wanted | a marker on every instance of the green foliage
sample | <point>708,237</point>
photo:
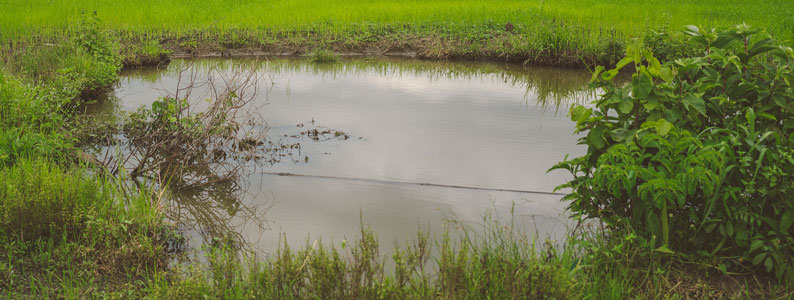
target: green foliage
<point>145,53</point>
<point>666,45</point>
<point>86,76</point>
<point>64,232</point>
<point>496,261</point>
<point>90,37</point>
<point>39,199</point>
<point>323,56</point>
<point>80,69</point>
<point>695,155</point>
<point>65,229</point>
<point>16,144</point>
<point>168,113</point>
<point>23,105</point>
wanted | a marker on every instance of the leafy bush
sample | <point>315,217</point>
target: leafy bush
<point>695,155</point>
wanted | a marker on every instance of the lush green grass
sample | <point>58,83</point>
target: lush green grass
<point>564,33</point>
<point>489,260</point>
<point>627,16</point>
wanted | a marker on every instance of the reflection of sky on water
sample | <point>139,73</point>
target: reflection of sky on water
<point>417,124</point>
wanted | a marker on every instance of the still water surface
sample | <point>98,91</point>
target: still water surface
<point>428,141</point>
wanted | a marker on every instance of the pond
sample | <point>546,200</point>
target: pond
<point>419,143</point>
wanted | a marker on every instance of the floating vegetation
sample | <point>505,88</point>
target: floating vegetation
<point>321,134</point>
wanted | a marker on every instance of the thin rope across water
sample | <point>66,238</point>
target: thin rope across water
<point>413,183</point>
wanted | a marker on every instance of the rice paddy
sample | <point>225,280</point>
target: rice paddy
<point>625,16</point>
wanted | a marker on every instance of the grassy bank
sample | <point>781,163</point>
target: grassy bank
<point>68,229</point>
<point>562,33</point>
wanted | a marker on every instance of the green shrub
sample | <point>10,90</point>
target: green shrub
<point>695,155</point>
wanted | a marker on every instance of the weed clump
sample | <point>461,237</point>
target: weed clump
<point>323,56</point>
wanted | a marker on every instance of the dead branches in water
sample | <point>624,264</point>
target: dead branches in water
<point>202,133</point>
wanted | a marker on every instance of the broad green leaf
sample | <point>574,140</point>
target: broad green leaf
<point>787,220</point>
<point>759,258</point>
<point>651,105</point>
<point>768,264</point>
<point>654,67</point>
<point>626,106</point>
<point>767,116</point>
<point>663,127</point>
<point>642,85</point>
<point>761,47</point>
<point>696,102</point>
<point>666,74</point>
<point>741,235</point>
<point>621,134</point>
<point>596,137</point>
<point>616,97</point>
<point>579,114</point>
<point>664,249</point>
<point>750,115</point>
<point>692,30</point>
<point>634,49</point>
<point>725,41</point>
<point>780,100</point>
<point>623,62</point>
<point>755,245</point>
<point>608,75</point>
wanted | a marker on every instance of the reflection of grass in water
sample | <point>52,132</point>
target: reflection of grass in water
<point>147,74</point>
<point>547,86</point>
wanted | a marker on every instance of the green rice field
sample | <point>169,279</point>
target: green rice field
<point>626,16</point>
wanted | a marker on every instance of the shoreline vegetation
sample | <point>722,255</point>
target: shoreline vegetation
<point>69,229</point>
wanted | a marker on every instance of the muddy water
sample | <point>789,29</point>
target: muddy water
<point>427,141</point>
